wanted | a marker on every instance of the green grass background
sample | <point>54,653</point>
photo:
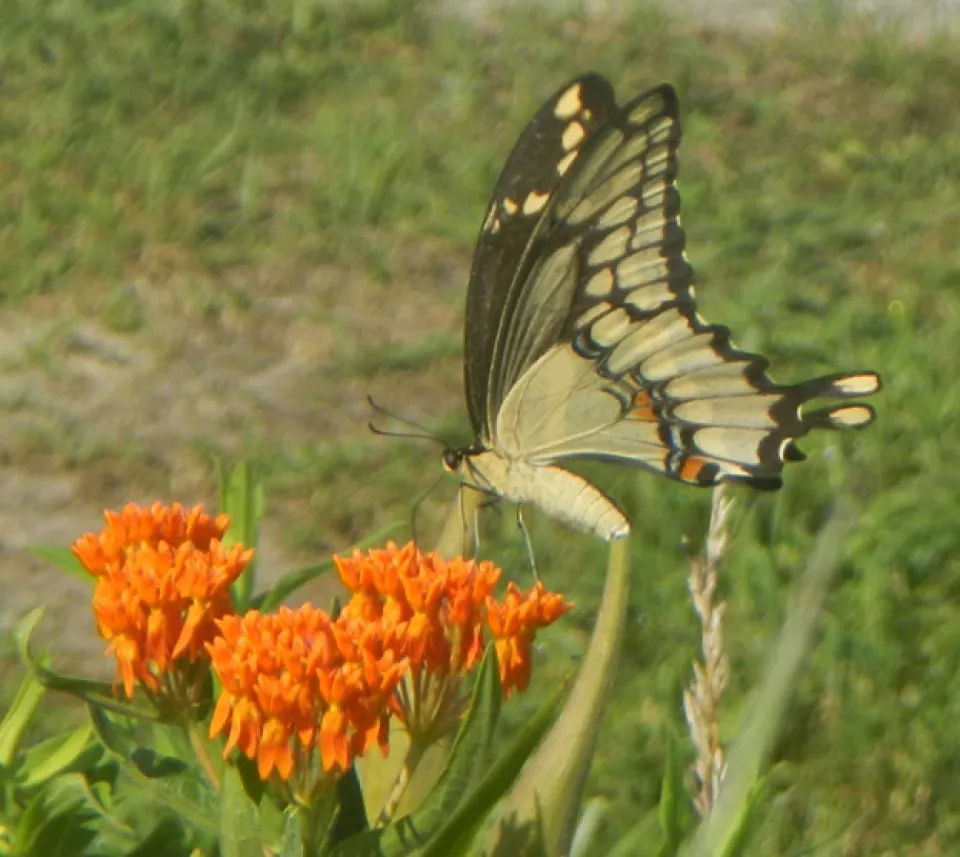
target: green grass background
<point>821,190</point>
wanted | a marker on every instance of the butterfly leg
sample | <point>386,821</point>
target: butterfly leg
<point>527,543</point>
<point>415,511</point>
<point>470,515</point>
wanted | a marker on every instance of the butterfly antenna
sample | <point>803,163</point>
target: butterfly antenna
<point>422,433</point>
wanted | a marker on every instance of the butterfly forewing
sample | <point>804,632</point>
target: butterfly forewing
<point>622,181</point>
<point>545,153</point>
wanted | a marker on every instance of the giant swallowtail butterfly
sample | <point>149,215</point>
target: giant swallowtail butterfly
<point>583,339</point>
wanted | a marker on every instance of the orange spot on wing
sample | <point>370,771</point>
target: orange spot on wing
<point>690,471</point>
<point>643,407</point>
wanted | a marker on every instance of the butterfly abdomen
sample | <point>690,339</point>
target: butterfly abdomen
<point>557,492</point>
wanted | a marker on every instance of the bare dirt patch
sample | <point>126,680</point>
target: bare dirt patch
<point>97,418</point>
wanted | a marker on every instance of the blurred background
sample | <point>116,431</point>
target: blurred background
<point>223,223</point>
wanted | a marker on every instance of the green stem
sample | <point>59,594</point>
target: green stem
<point>201,749</point>
<point>404,775</point>
<point>549,790</point>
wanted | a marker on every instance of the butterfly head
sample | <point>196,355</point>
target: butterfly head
<point>453,459</point>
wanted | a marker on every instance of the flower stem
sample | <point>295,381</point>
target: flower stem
<point>201,749</point>
<point>404,775</point>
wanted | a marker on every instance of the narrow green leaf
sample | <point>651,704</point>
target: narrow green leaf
<point>472,749</point>
<point>287,585</point>
<point>242,498</point>
<point>640,840</point>
<point>57,822</point>
<point>21,636</point>
<point>167,836</point>
<point>594,813</point>
<point>24,630</point>
<point>56,755</point>
<point>351,816</point>
<point>292,845</point>
<point>673,800</point>
<point>749,821</point>
<point>64,559</point>
<point>18,718</point>
<point>273,817</point>
<point>551,786</point>
<point>722,828</point>
<point>466,819</point>
<point>165,780</point>
<point>239,818</point>
<point>467,761</point>
<point>293,580</point>
<point>96,692</point>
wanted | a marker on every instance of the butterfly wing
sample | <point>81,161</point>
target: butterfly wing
<point>599,351</point>
<point>499,301</point>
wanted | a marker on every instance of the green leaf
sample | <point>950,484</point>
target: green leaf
<point>674,800</point>
<point>167,837</point>
<point>242,498</point>
<point>595,813</point>
<point>164,780</point>
<point>549,791</point>
<point>239,818</point>
<point>468,760</point>
<point>58,821</point>
<point>57,755</point>
<point>351,816</point>
<point>287,585</point>
<point>472,748</point>
<point>95,692</point>
<point>293,580</point>
<point>22,633</point>
<point>18,718</point>
<point>749,820</point>
<point>292,840</point>
<point>463,823</point>
<point>640,838</point>
<point>65,560</point>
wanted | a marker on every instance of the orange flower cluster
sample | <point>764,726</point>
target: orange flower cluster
<point>439,608</point>
<point>298,681</point>
<point>295,681</point>
<point>163,578</point>
<point>302,693</point>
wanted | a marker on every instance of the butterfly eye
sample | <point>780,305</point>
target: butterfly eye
<point>452,459</point>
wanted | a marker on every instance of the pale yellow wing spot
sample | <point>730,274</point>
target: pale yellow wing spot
<point>573,134</point>
<point>569,104</point>
<point>563,167</point>
<point>534,202</point>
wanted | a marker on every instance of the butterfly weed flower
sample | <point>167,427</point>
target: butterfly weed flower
<point>514,625</point>
<point>439,613</point>
<point>302,694</point>
<point>163,578</point>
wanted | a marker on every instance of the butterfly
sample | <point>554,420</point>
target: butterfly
<point>582,337</point>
